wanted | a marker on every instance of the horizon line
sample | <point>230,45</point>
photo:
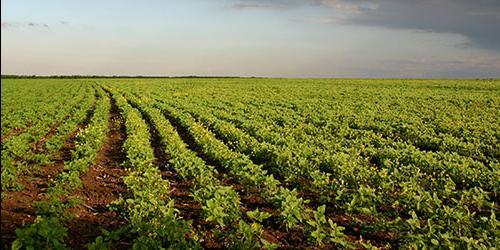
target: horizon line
<point>20,76</point>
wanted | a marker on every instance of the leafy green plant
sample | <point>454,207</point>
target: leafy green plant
<point>44,233</point>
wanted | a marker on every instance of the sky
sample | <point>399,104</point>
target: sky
<point>273,38</point>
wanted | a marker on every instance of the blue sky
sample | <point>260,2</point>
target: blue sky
<point>276,38</point>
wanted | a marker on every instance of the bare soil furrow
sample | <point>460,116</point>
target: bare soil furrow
<point>102,184</point>
<point>18,208</point>
<point>251,198</point>
<point>180,189</point>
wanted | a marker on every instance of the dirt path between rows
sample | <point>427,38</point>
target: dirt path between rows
<point>18,208</point>
<point>250,198</point>
<point>180,189</point>
<point>102,184</point>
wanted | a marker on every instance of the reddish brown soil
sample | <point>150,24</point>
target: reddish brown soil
<point>102,184</point>
<point>18,206</point>
<point>189,209</point>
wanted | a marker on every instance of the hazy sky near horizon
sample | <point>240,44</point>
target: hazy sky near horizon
<point>275,38</point>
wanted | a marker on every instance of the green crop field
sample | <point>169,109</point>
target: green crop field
<point>249,163</point>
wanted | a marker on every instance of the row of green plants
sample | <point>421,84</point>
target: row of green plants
<point>460,169</point>
<point>153,222</point>
<point>466,172</point>
<point>426,118</point>
<point>53,144</point>
<point>19,151</point>
<point>410,116</point>
<point>354,187</point>
<point>362,171</point>
<point>293,209</point>
<point>463,171</point>
<point>306,159</point>
<point>415,160</point>
<point>221,205</point>
<point>21,101</point>
<point>49,231</point>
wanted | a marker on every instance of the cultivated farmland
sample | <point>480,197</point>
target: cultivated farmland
<point>248,163</point>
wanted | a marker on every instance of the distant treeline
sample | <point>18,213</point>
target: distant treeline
<point>194,76</point>
<point>97,76</point>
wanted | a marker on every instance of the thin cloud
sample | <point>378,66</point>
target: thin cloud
<point>6,25</point>
<point>245,6</point>
<point>31,24</point>
<point>262,4</point>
